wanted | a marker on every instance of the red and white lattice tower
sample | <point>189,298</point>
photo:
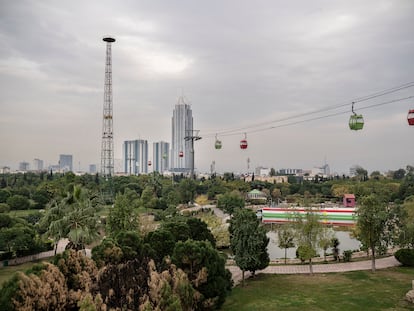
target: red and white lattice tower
<point>107,149</point>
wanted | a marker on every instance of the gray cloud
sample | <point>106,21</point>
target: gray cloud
<point>239,62</point>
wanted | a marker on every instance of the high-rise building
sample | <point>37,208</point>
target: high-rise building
<point>135,155</point>
<point>160,156</point>
<point>37,165</point>
<point>182,126</point>
<point>66,162</point>
<point>24,166</point>
<point>92,168</point>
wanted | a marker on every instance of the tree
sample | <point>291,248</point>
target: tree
<point>205,269</point>
<point>248,242</point>
<point>308,231</point>
<point>325,239</point>
<point>187,190</point>
<point>123,216</point>
<point>162,243</point>
<point>74,217</point>
<point>371,225</point>
<point>199,231</point>
<point>18,202</point>
<point>229,202</point>
<point>286,237</point>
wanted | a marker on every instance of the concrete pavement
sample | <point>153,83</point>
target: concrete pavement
<point>381,263</point>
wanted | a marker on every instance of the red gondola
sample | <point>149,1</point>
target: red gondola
<point>410,117</point>
<point>243,142</point>
<point>149,163</point>
<point>181,154</point>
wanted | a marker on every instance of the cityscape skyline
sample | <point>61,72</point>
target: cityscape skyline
<point>263,68</point>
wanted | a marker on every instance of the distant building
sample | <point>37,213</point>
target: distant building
<point>66,163</point>
<point>290,171</point>
<point>5,170</point>
<point>24,166</point>
<point>161,157</point>
<point>182,126</point>
<point>37,165</point>
<point>135,156</point>
<point>92,169</point>
<point>262,171</point>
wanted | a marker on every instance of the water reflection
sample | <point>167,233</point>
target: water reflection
<point>345,240</point>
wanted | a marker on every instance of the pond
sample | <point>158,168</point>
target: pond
<point>346,242</point>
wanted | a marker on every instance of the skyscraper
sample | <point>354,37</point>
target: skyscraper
<point>37,165</point>
<point>66,162</point>
<point>160,156</point>
<point>135,155</point>
<point>182,126</point>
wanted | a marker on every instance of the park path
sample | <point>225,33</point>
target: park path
<point>381,263</point>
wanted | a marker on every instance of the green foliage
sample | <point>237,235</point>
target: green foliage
<point>18,202</point>
<point>131,245</point>
<point>248,241</point>
<point>205,269</point>
<point>199,231</point>
<point>162,243</point>
<point>347,255</point>
<point>286,237</point>
<point>405,256</point>
<point>230,202</point>
<point>308,230</point>
<point>372,224</point>
<point>107,252</point>
<point>123,216</point>
<point>74,217</point>
<point>4,208</point>
<point>7,292</point>
<point>4,195</point>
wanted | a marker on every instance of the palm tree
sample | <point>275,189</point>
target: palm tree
<point>74,217</point>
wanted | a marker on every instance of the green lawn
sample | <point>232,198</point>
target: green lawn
<point>7,272</point>
<point>360,290</point>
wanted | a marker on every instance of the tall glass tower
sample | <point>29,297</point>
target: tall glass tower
<point>182,126</point>
<point>161,157</point>
<point>135,154</point>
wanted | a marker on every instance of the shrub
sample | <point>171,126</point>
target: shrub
<point>405,256</point>
<point>347,255</point>
<point>4,208</point>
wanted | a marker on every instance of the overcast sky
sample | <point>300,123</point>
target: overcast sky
<point>239,63</point>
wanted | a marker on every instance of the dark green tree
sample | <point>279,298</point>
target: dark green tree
<point>230,202</point>
<point>18,202</point>
<point>248,242</point>
<point>205,269</point>
<point>199,231</point>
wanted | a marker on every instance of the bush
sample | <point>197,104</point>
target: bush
<point>4,208</point>
<point>405,256</point>
<point>347,255</point>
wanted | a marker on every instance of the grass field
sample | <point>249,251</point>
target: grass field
<point>360,290</point>
<point>7,272</point>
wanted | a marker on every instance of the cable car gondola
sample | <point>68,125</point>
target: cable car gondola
<point>243,142</point>
<point>356,121</point>
<point>149,163</point>
<point>217,144</point>
<point>410,117</point>
<point>181,154</point>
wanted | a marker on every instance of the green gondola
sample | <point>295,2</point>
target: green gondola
<point>356,122</point>
<point>218,145</point>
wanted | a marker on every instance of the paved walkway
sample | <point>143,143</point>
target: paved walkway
<point>381,263</point>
